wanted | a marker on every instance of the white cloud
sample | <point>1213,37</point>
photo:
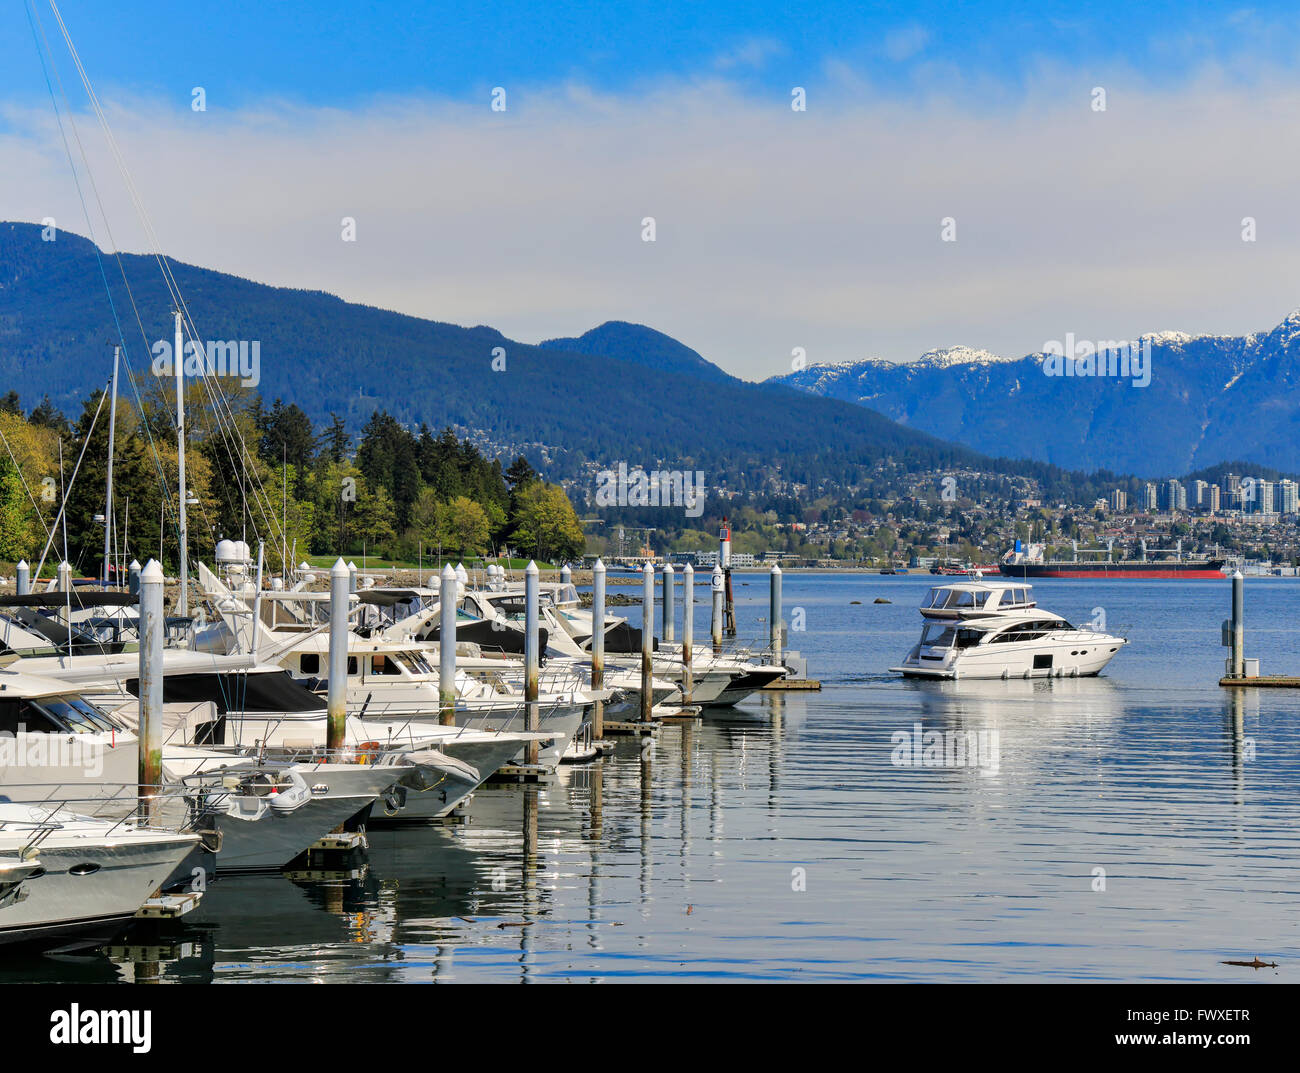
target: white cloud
<point>775,229</point>
<point>752,53</point>
<point>905,42</point>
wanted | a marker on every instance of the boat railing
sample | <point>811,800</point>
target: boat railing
<point>377,753</point>
<point>1101,631</point>
<point>174,806</point>
<point>469,715</point>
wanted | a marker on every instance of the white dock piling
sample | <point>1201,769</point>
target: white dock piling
<point>532,658</point>
<point>688,632</point>
<point>23,582</point>
<point>337,700</point>
<point>152,630</point>
<point>775,624</point>
<point>718,584</point>
<point>1238,625</point>
<point>448,595</point>
<point>647,641</point>
<point>670,603</point>
<point>598,647</point>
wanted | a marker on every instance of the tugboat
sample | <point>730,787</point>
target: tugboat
<point>996,630</point>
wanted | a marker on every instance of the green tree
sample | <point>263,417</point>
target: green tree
<point>463,525</point>
<point>373,521</point>
<point>335,441</point>
<point>544,523</point>
<point>18,529</point>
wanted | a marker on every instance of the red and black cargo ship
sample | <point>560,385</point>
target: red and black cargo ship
<point>1180,569</point>
<point>1031,564</point>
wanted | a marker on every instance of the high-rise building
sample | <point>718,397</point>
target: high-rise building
<point>1288,496</point>
<point>1199,498</point>
<point>1175,495</point>
<point>1232,491</point>
<point>1263,496</point>
<point>1119,500</point>
<point>1150,500</point>
<point>1215,499</point>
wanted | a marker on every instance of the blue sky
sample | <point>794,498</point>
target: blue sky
<point>778,231</point>
<point>332,53</point>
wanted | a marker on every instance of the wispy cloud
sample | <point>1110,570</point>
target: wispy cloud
<point>751,54</point>
<point>905,42</point>
<point>775,229</point>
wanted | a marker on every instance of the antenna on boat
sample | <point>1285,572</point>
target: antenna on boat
<point>178,357</point>
<point>108,495</point>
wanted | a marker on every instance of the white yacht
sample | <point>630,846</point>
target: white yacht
<point>994,630</point>
<point>65,876</point>
<point>717,680</point>
<point>396,680</point>
<point>263,811</point>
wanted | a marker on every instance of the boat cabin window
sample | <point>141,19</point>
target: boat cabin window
<point>939,635</point>
<point>309,663</point>
<point>956,599</point>
<point>381,663</point>
<point>18,715</point>
<point>1029,631</point>
<point>53,715</point>
<point>414,662</point>
<point>76,714</point>
<point>511,606</point>
<point>237,691</point>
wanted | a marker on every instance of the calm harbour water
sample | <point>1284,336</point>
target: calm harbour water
<point>779,842</point>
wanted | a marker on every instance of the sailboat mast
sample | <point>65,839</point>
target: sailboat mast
<point>108,495</point>
<point>184,605</point>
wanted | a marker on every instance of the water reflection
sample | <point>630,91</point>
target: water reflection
<point>674,857</point>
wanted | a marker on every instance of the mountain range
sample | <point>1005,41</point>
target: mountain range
<point>1209,399</point>
<point>625,392</point>
<point>621,392</point>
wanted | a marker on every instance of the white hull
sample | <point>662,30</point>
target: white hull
<point>1078,657</point>
<point>58,904</point>
<point>258,837</point>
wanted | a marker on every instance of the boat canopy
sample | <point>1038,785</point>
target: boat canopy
<point>976,598</point>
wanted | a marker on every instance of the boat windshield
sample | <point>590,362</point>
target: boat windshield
<point>414,662</point>
<point>956,598</point>
<point>939,635</point>
<point>75,714</point>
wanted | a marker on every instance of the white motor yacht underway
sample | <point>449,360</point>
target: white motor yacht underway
<point>996,630</point>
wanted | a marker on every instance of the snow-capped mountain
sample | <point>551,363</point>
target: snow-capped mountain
<point>1209,399</point>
